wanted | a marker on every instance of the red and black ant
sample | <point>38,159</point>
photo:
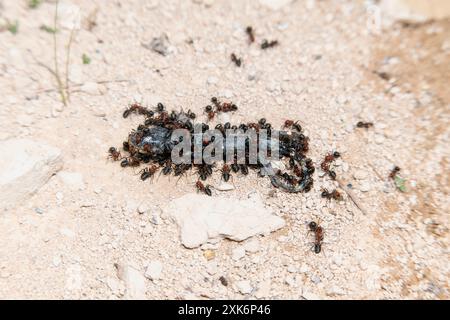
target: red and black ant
<point>135,107</point>
<point>268,44</point>
<point>292,124</point>
<point>394,172</point>
<point>190,114</point>
<point>318,235</point>
<point>210,112</point>
<point>148,172</point>
<point>237,61</point>
<point>130,162</point>
<point>329,158</point>
<point>205,189</point>
<point>251,34</point>
<point>336,195</point>
<point>226,107</point>
<point>114,154</point>
<point>226,172</point>
<point>366,125</point>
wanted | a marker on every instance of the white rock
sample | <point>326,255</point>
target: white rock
<point>143,208</point>
<point>365,186</point>
<point>73,180</point>
<point>310,296</point>
<point>202,218</point>
<point>263,290</point>
<point>252,246</point>
<point>244,286</point>
<point>291,281</point>
<point>25,166</point>
<point>154,270</point>
<point>275,4</point>
<point>90,88</point>
<point>415,11</point>
<point>212,268</point>
<point>238,253</point>
<point>134,281</point>
<point>212,80</point>
<point>225,186</point>
<point>360,174</point>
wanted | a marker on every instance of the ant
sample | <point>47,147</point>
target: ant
<point>251,34</point>
<point>205,189</point>
<point>268,44</point>
<point>148,172</point>
<point>210,112</point>
<point>227,107</point>
<point>366,125</point>
<point>292,124</point>
<point>114,154</point>
<point>136,107</point>
<point>167,168</point>
<point>235,59</point>
<point>336,195</point>
<point>394,172</point>
<point>130,161</point>
<point>190,114</point>
<point>160,107</point>
<point>226,172</point>
<point>318,235</point>
<point>325,165</point>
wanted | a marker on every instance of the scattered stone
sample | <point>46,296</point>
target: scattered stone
<point>263,290</point>
<point>143,208</point>
<point>274,4</point>
<point>212,80</point>
<point>212,268</point>
<point>291,281</point>
<point>310,296</point>
<point>98,190</point>
<point>209,254</point>
<point>155,219</point>
<point>25,166</point>
<point>39,210</point>
<point>134,281</point>
<point>360,174</point>
<point>154,270</point>
<point>238,253</point>
<point>56,261</point>
<point>225,186</point>
<point>415,11</point>
<point>315,279</point>
<point>90,88</point>
<point>365,186</point>
<point>252,246</point>
<point>73,180</point>
<point>115,286</point>
<point>159,45</point>
<point>291,268</point>
<point>202,218</point>
<point>244,286</point>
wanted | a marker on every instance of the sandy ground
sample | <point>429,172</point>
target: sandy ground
<point>322,73</point>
